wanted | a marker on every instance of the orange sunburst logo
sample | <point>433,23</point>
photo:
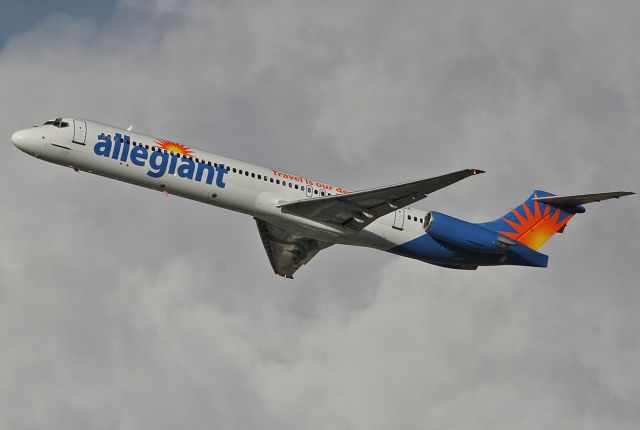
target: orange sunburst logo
<point>173,146</point>
<point>534,229</point>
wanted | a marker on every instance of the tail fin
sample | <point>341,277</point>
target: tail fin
<point>534,221</point>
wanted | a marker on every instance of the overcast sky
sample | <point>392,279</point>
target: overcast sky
<point>122,309</point>
<point>19,16</point>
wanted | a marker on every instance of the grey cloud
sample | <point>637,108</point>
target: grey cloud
<point>122,309</point>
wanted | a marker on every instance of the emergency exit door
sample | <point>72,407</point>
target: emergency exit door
<point>398,222</point>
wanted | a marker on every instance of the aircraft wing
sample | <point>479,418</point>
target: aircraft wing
<point>287,251</point>
<point>358,209</point>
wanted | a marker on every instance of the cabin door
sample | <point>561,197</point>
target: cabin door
<point>79,131</point>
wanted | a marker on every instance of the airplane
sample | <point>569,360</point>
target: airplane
<point>297,216</point>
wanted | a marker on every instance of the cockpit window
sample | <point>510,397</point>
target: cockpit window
<point>58,122</point>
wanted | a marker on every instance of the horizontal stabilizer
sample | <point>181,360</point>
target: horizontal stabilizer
<point>581,199</point>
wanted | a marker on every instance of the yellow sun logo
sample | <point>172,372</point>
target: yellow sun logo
<point>534,229</point>
<point>173,146</point>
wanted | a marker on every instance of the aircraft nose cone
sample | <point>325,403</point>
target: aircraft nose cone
<point>27,140</point>
<point>19,138</point>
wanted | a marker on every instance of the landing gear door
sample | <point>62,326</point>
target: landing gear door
<point>398,222</point>
<point>79,131</point>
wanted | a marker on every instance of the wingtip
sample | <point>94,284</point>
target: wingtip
<point>476,171</point>
<point>624,194</point>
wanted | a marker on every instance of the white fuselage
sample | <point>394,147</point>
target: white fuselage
<point>207,177</point>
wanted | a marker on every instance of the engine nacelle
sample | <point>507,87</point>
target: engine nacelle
<point>466,235</point>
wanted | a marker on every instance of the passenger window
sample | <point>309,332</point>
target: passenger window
<point>271,180</point>
<point>253,175</point>
<point>240,171</point>
<point>259,176</point>
<point>246,173</point>
<point>315,191</point>
<point>234,170</point>
<point>278,181</point>
<point>290,185</point>
<point>409,217</point>
<point>296,186</point>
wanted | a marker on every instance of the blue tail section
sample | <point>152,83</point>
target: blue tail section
<point>513,239</point>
